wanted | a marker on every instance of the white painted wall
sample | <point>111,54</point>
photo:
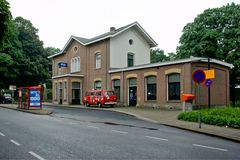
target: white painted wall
<point>119,47</point>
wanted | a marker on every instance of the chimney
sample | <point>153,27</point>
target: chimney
<point>112,28</point>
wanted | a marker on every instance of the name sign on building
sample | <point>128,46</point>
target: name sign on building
<point>62,64</point>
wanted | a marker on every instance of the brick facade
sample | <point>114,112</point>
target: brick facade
<point>153,85</point>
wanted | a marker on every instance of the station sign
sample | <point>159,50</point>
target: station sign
<point>62,64</point>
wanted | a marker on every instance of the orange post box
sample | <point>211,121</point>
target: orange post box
<point>187,98</point>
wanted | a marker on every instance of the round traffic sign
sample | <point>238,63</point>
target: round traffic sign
<point>198,76</point>
<point>208,82</point>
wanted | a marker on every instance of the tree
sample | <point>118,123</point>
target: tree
<point>157,55</point>
<point>33,63</point>
<point>5,23</point>
<point>214,33</point>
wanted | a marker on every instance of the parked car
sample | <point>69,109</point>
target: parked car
<point>8,98</point>
<point>5,97</point>
<point>100,98</point>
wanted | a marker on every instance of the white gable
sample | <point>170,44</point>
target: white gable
<point>120,47</point>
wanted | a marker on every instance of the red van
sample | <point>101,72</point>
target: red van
<point>99,98</point>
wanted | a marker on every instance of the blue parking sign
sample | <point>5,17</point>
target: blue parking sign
<point>35,98</point>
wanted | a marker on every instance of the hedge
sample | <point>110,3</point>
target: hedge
<point>229,117</point>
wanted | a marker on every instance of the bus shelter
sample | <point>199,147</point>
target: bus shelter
<point>30,97</point>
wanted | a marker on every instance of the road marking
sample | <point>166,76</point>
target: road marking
<point>93,127</point>
<point>220,149</point>
<point>2,134</point>
<point>157,138</point>
<point>72,123</point>
<point>36,155</point>
<point>14,142</point>
<point>119,132</point>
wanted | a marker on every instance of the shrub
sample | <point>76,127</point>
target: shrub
<point>222,117</point>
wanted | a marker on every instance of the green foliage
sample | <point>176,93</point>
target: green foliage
<point>214,33</point>
<point>49,93</point>
<point>158,55</point>
<point>24,62</point>
<point>222,117</point>
<point>5,23</point>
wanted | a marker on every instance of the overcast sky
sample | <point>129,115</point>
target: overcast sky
<point>57,20</point>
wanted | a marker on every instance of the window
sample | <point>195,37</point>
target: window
<point>174,86</point>
<point>75,64</point>
<point>130,41</point>
<point>98,60</point>
<point>130,58</point>
<point>75,49</point>
<point>116,88</point>
<point>65,90</point>
<point>151,88</point>
<point>97,84</point>
<point>59,71</point>
<point>56,91</point>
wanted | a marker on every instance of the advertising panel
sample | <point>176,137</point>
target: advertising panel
<point>35,98</point>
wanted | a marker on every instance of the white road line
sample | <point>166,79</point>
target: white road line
<point>93,127</point>
<point>119,132</point>
<point>72,123</point>
<point>220,149</point>
<point>36,155</point>
<point>157,138</point>
<point>14,142</point>
<point>1,134</point>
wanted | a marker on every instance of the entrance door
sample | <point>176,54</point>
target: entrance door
<point>132,96</point>
<point>76,93</point>
<point>60,93</point>
<point>132,91</point>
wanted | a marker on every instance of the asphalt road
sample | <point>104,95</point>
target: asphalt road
<point>71,133</point>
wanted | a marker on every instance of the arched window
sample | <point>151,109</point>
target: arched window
<point>116,88</point>
<point>78,64</point>
<point>174,86</point>
<point>151,88</point>
<point>97,85</point>
<point>98,60</point>
<point>75,64</point>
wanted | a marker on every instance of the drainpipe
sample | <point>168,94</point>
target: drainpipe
<point>122,89</point>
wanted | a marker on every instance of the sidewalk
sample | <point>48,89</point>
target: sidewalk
<point>42,111</point>
<point>165,117</point>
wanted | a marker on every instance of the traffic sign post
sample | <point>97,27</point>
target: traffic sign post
<point>199,77</point>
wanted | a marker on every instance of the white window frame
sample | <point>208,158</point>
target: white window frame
<point>98,60</point>
<point>75,64</point>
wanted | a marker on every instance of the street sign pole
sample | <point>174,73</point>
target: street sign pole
<point>199,76</point>
<point>199,107</point>
<point>209,90</point>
